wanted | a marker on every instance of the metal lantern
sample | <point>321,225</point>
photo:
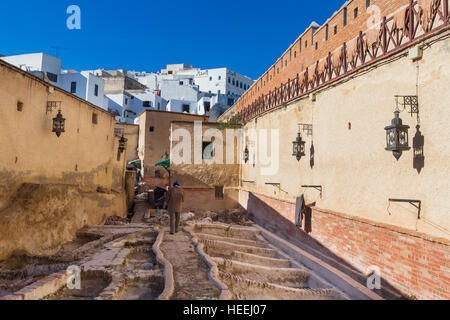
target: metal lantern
<point>59,124</point>
<point>122,144</point>
<point>397,136</point>
<point>246,154</point>
<point>298,147</point>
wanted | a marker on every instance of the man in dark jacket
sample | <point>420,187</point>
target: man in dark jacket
<point>174,199</point>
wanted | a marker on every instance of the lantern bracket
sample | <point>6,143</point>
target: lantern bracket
<point>318,188</point>
<point>308,128</point>
<point>274,184</point>
<point>415,203</point>
<point>53,105</point>
<point>410,102</point>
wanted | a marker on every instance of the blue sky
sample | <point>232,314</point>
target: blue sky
<point>246,36</point>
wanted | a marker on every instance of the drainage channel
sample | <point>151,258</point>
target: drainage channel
<point>116,263</point>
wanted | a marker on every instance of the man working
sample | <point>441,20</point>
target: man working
<point>174,198</point>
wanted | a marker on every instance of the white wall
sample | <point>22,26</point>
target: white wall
<point>92,81</point>
<point>177,106</point>
<point>36,62</point>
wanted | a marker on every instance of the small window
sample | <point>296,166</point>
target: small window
<point>186,108</point>
<point>181,83</point>
<point>147,104</point>
<point>73,87</point>
<point>345,17</point>
<point>355,13</point>
<point>230,102</point>
<point>207,106</point>
<point>335,29</point>
<point>19,106</point>
<point>126,100</point>
<point>326,32</point>
<point>210,78</point>
<point>229,80</point>
<point>207,150</point>
<point>159,105</point>
<point>317,45</point>
<point>306,44</point>
<point>96,90</point>
<point>52,77</point>
<point>219,77</point>
<point>219,192</point>
<point>152,129</point>
<point>94,118</point>
<point>218,91</point>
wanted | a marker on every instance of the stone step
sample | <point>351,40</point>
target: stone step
<point>246,289</point>
<point>227,248</point>
<point>289,277</point>
<point>259,260</point>
<point>231,240</point>
<point>224,230</point>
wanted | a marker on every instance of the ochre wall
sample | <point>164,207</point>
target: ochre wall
<point>131,133</point>
<point>153,145</point>
<point>81,163</point>
<point>353,218</point>
<point>199,180</point>
<point>209,173</point>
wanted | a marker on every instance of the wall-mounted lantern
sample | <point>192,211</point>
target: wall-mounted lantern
<point>59,124</point>
<point>397,139</point>
<point>122,144</point>
<point>246,154</point>
<point>298,147</point>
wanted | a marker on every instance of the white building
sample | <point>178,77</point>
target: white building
<point>84,85</point>
<point>189,85</point>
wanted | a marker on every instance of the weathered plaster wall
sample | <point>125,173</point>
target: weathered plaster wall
<point>208,173</point>
<point>199,180</point>
<point>42,217</point>
<point>203,199</point>
<point>81,165</point>
<point>130,132</point>
<point>154,144</point>
<point>358,176</point>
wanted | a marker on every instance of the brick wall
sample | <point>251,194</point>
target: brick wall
<point>413,263</point>
<point>297,58</point>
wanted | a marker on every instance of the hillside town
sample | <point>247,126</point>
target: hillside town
<point>327,178</point>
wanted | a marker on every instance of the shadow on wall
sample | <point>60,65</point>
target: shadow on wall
<point>418,144</point>
<point>311,156</point>
<point>271,219</point>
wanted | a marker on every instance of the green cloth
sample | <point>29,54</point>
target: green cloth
<point>165,164</point>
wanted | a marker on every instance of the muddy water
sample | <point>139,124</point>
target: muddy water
<point>142,289</point>
<point>92,284</point>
